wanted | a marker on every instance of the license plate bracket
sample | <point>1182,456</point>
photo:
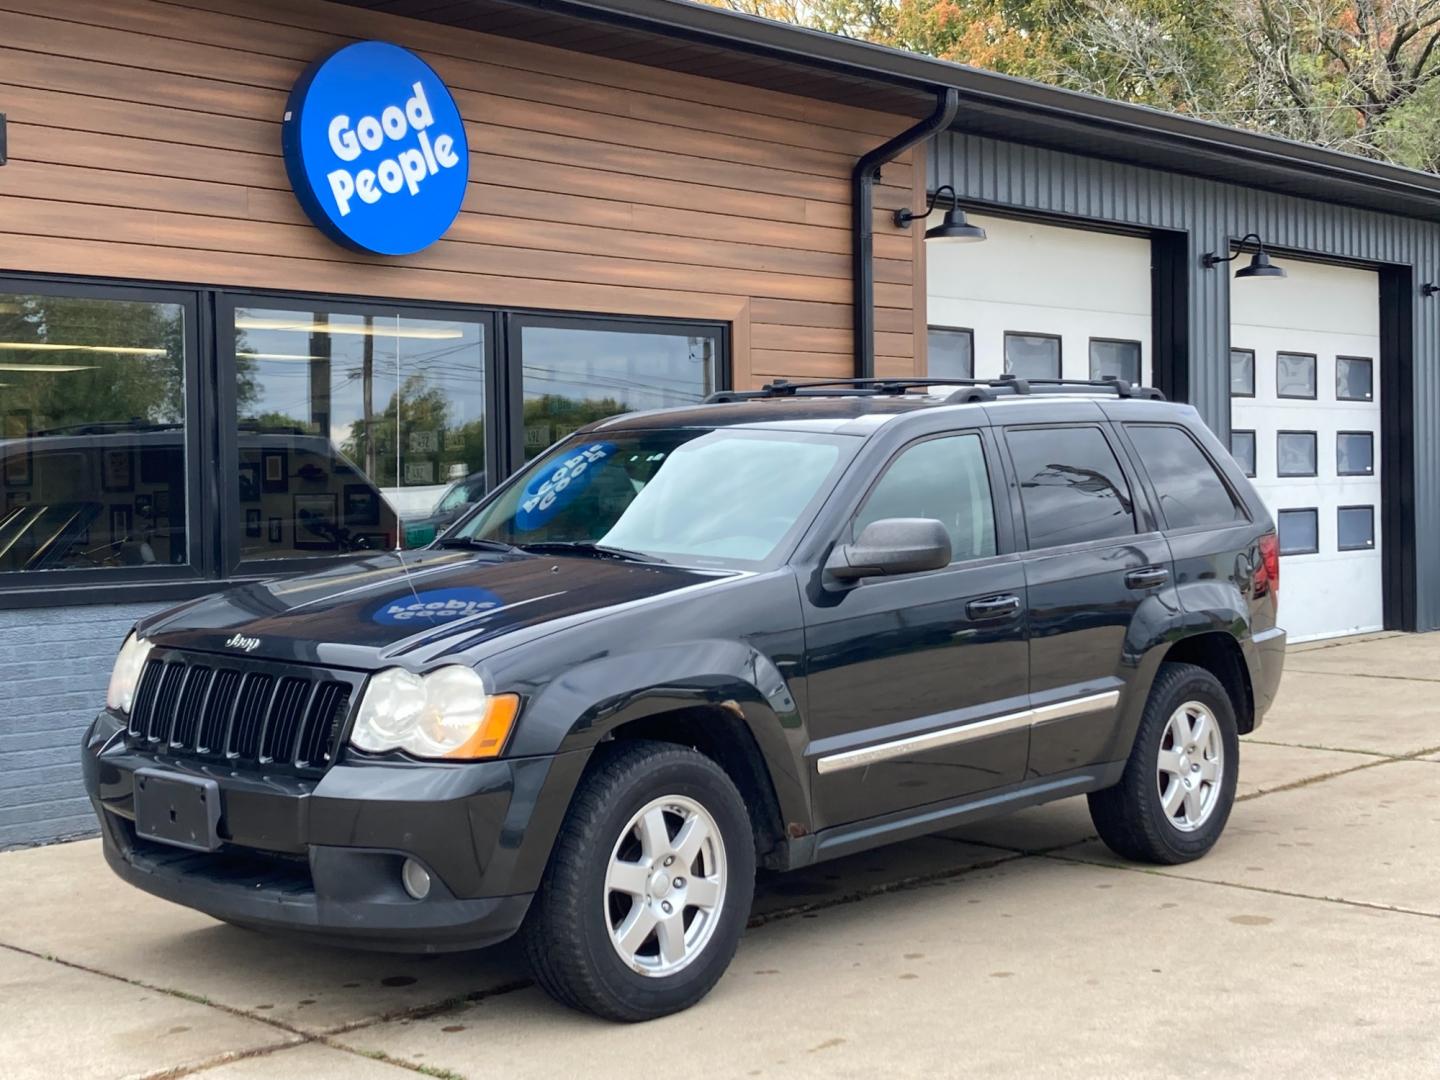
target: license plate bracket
<point>179,810</point>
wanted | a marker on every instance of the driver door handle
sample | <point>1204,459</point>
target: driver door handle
<point>1147,577</point>
<point>992,607</point>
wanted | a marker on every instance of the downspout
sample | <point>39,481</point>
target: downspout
<point>862,207</point>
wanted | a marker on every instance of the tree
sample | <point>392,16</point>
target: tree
<point>1355,75</point>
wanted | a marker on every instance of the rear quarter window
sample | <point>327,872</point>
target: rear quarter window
<point>1190,490</point>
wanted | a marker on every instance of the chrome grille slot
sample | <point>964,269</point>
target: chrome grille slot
<point>214,725</point>
<point>143,706</point>
<point>192,700</point>
<point>250,712</point>
<point>162,717</point>
<point>282,726</point>
<point>328,709</point>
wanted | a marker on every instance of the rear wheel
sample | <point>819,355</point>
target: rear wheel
<point>648,888</point>
<point>1174,798</point>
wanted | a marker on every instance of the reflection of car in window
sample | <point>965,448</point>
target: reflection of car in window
<point>454,501</point>
<point>114,494</point>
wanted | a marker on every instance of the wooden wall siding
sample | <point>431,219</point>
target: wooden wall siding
<point>145,144</point>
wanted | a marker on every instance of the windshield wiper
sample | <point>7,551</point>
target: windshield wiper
<point>588,547</point>
<point>474,544</point>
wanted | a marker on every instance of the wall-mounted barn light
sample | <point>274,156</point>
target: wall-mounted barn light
<point>953,230</point>
<point>1429,289</point>
<point>1260,265</point>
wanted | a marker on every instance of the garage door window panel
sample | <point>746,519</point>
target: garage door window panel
<point>1355,453</point>
<point>1242,449</point>
<point>1190,490</point>
<point>951,353</point>
<point>1242,372</point>
<point>1296,453</point>
<point>1295,376</point>
<point>1355,528</point>
<point>1111,358</point>
<point>1072,488</point>
<point>1299,531</point>
<point>1354,378</point>
<point>1032,356</point>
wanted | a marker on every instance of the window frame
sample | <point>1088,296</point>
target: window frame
<point>226,419</point>
<point>1315,441</point>
<point>210,413</point>
<point>1373,441</point>
<point>1152,494</point>
<point>24,588</point>
<point>1355,547</point>
<point>1059,352</point>
<point>1313,511</point>
<point>1139,356</point>
<point>512,377</point>
<point>1142,502</point>
<point>1254,451</point>
<point>1254,361</point>
<point>1314,359</point>
<point>968,331</point>
<point>1368,399</point>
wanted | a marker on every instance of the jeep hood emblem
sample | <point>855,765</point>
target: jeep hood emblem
<point>240,641</point>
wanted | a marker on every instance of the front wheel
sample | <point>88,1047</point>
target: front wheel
<point>648,888</point>
<point>1175,795</point>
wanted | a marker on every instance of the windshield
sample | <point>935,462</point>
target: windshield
<point>722,497</point>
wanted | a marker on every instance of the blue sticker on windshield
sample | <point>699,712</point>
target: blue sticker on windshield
<point>555,487</point>
<point>436,606</point>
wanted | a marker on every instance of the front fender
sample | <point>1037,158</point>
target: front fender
<point>577,709</point>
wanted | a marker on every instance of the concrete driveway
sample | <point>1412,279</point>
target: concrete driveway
<point>1307,944</point>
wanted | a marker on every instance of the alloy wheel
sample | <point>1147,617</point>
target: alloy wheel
<point>665,886</point>
<point>1191,766</point>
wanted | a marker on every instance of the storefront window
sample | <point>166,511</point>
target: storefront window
<point>92,447</point>
<point>575,371</point>
<point>352,425</point>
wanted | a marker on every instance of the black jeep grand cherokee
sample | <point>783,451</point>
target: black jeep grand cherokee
<point>776,628</point>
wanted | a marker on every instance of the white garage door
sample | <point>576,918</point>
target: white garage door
<point>1041,301</point>
<point>1305,421</point>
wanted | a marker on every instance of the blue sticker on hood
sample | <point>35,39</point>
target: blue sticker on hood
<point>555,487</point>
<point>435,606</point>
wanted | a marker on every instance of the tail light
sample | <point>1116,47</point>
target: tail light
<point>1267,567</point>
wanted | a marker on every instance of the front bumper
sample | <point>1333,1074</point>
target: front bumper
<point>321,856</point>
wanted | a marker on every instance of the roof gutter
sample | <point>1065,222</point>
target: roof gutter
<point>862,219</point>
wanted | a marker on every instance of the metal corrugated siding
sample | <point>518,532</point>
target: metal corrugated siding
<point>1005,175</point>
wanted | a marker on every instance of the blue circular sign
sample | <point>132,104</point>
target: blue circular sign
<point>554,487</point>
<point>435,606</point>
<point>375,148</point>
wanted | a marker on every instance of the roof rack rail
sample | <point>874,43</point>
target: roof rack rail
<point>972,390</point>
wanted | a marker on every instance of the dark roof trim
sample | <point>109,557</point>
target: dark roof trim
<point>1133,133</point>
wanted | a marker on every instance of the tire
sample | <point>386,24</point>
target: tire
<point>629,793</point>
<point>1132,817</point>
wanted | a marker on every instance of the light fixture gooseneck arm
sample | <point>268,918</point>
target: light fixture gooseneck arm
<point>904,216</point>
<point>1212,260</point>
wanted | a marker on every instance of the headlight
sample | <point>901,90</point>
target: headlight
<point>445,714</point>
<point>126,675</point>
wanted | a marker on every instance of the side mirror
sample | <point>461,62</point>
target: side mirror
<point>892,546</point>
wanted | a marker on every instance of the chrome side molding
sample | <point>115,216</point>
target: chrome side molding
<point>961,733</point>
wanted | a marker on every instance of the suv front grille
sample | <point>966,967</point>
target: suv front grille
<point>246,715</point>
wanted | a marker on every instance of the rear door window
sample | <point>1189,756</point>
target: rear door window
<point>1072,488</point>
<point>1190,490</point>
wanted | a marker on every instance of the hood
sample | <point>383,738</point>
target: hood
<point>408,608</point>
